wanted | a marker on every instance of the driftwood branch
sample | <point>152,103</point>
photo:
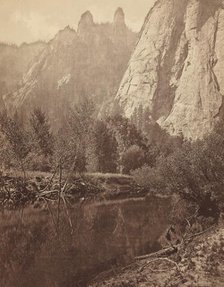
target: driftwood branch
<point>173,249</point>
<point>159,259</point>
<point>199,233</point>
<point>51,179</point>
<point>68,215</point>
<point>164,252</point>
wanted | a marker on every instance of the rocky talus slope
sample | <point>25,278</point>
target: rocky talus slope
<point>89,62</point>
<point>175,75</point>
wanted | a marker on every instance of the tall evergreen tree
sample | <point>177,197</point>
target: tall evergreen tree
<point>17,138</point>
<point>42,135</point>
<point>106,148</point>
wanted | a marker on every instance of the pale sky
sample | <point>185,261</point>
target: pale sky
<point>32,20</point>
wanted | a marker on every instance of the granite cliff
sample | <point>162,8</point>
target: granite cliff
<point>175,76</point>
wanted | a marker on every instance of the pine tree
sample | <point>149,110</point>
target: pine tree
<point>17,138</point>
<point>43,138</point>
<point>80,128</point>
<point>106,148</point>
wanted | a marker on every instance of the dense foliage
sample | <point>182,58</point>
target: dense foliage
<point>195,171</point>
<point>84,144</point>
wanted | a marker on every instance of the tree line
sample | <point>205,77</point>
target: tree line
<point>112,145</point>
<point>157,161</point>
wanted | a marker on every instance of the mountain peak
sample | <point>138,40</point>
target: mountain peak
<point>86,22</point>
<point>65,36</point>
<point>87,17</point>
<point>120,29</point>
<point>90,61</point>
<point>119,16</point>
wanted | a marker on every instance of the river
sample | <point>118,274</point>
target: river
<point>92,238</point>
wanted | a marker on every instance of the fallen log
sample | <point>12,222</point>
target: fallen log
<point>174,248</point>
<point>159,259</point>
<point>163,252</point>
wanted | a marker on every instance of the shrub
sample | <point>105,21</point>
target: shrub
<point>133,158</point>
<point>195,172</point>
<point>39,162</point>
<point>146,177</point>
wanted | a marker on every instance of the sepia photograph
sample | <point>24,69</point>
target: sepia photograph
<point>111,143</point>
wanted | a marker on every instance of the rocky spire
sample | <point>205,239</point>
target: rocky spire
<point>86,23</point>
<point>120,29</point>
<point>119,17</point>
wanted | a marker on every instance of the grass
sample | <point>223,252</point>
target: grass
<point>108,175</point>
<point>96,175</point>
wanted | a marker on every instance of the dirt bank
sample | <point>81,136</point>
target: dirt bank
<point>199,262</point>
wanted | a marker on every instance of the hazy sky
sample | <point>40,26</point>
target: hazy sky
<point>31,20</point>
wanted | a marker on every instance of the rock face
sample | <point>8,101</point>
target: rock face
<point>89,62</point>
<point>14,62</point>
<point>176,76</point>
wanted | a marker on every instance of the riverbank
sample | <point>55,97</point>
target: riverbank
<point>197,262</point>
<point>19,192</point>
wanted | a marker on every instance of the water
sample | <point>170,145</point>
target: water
<point>98,237</point>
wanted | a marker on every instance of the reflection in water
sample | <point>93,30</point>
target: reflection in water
<point>105,234</point>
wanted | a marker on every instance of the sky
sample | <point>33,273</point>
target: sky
<point>32,20</point>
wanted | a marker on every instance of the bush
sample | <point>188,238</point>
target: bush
<point>195,172</point>
<point>39,162</point>
<point>146,177</point>
<point>133,158</point>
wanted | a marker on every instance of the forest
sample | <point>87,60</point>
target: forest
<point>158,162</point>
